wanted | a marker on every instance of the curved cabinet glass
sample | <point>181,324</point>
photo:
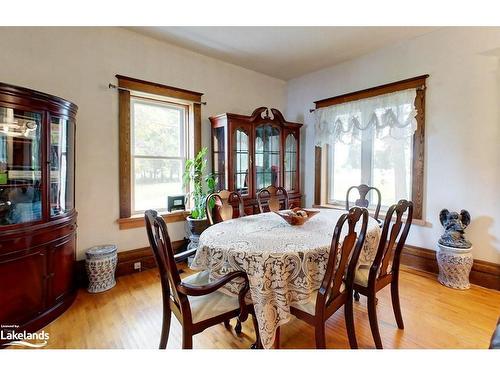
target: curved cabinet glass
<point>20,166</point>
<point>62,161</point>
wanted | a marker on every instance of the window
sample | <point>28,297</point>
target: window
<point>160,127</point>
<point>372,157</point>
<point>372,137</point>
<point>158,142</point>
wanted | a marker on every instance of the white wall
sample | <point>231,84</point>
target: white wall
<point>78,63</point>
<point>462,159</point>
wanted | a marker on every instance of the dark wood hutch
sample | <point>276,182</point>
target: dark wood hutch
<point>252,152</point>
<point>37,208</point>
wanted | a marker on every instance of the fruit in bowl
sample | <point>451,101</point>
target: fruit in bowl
<point>297,216</point>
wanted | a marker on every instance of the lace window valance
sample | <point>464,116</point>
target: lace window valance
<point>389,115</point>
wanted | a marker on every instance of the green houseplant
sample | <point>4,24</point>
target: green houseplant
<point>202,185</point>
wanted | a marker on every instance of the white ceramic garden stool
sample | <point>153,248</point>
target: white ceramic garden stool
<point>455,265</point>
<point>100,263</point>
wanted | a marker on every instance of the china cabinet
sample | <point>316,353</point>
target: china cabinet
<point>37,207</point>
<point>253,152</point>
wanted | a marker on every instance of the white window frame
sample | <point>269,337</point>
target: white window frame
<point>367,146</point>
<point>185,147</point>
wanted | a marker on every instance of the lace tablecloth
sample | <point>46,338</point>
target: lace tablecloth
<point>284,263</point>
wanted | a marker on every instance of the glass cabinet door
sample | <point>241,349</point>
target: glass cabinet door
<point>62,161</point>
<point>219,157</point>
<point>267,156</point>
<point>291,160</point>
<point>20,166</point>
<point>241,161</point>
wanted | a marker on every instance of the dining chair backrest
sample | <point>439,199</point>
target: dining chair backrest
<point>272,197</point>
<point>223,206</point>
<point>363,191</point>
<point>392,240</point>
<point>160,243</point>
<point>344,254</point>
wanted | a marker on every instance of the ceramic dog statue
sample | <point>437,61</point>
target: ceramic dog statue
<point>454,224</point>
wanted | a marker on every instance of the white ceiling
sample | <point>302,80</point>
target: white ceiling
<point>283,52</point>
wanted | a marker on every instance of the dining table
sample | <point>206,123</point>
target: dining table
<point>285,264</point>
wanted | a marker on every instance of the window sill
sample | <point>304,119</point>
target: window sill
<point>137,221</point>
<point>419,222</point>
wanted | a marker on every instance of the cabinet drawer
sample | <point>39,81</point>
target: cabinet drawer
<point>44,235</point>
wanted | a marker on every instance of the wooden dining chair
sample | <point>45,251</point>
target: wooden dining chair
<point>223,208</point>
<point>385,267</point>
<point>272,197</point>
<point>196,303</point>
<point>363,191</point>
<point>337,285</point>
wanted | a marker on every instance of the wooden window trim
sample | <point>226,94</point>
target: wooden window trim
<point>410,83</point>
<point>137,221</point>
<point>140,85</point>
<point>418,83</point>
<point>127,220</point>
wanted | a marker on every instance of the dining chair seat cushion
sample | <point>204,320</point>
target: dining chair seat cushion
<point>309,306</point>
<point>210,305</point>
<point>361,276</point>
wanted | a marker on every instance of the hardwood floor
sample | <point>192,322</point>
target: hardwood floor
<point>129,316</point>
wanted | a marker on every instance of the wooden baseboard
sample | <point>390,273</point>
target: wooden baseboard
<point>483,273</point>
<point>127,260</point>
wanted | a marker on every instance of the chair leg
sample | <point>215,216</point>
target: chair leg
<point>165,329</point>
<point>395,303</point>
<point>257,344</point>
<point>372,314</point>
<point>356,296</point>
<point>187,339</point>
<point>319,335</point>
<point>227,325</point>
<point>349,324</point>
<point>237,327</point>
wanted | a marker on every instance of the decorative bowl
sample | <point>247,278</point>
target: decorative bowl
<point>297,215</point>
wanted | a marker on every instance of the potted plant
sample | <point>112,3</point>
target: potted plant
<point>202,185</point>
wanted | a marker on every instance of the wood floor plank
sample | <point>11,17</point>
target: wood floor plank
<point>129,316</point>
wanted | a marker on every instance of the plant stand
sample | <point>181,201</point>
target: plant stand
<point>455,265</point>
<point>196,227</point>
